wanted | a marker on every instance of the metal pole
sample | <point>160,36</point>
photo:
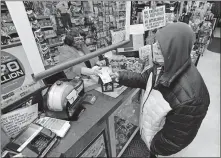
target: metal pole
<point>63,66</point>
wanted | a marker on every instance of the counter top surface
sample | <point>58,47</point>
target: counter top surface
<point>93,114</point>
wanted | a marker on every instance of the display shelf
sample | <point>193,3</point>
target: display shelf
<point>11,45</point>
<point>51,36</point>
<point>4,9</point>
<point>56,44</point>
<point>42,17</point>
<point>12,32</point>
<point>46,27</point>
<point>7,21</point>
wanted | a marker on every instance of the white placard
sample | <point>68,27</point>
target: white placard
<point>72,96</point>
<point>13,122</point>
<point>138,41</point>
<point>118,36</point>
<point>137,29</point>
<point>145,52</point>
<point>154,18</point>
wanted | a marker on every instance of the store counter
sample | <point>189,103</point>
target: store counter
<point>96,120</point>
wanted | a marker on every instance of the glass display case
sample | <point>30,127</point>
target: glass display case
<point>97,148</point>
<point>124,123</point>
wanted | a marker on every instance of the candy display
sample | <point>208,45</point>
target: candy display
<point>121,63</point>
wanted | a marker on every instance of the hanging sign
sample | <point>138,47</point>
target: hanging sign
<point>154,18</point>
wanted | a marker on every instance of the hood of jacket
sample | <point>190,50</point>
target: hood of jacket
<point>176,42</point>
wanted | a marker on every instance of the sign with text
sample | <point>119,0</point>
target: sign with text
<point>16,79</point>
<point>154,18</point>
<point>12,70</point>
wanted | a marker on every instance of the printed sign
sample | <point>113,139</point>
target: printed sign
<point>154,18</point>
<point>118,36</point>
<point>12,71</point>
<point>16,79</point>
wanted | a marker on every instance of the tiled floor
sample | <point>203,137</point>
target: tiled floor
<point>207,141</point>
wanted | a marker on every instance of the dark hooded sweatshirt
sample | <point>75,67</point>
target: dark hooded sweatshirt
<point>182,87</point>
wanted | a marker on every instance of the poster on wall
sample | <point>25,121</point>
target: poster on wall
<point>154,18</point>
<point>97,148</point>
<point>16,79</point>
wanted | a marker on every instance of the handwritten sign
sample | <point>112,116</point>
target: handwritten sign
<point>154,18</point>
<point>15,121</point>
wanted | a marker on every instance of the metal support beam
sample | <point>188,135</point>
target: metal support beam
<point>63,66</point>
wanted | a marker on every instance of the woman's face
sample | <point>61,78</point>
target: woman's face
<point>157,54</point>
<point>78,41</point>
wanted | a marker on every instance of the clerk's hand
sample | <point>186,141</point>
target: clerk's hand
<point>96,70</point>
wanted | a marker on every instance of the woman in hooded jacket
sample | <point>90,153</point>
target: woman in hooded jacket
<point>176,99</point>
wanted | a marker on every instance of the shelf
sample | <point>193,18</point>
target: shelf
<point>51,37</point>
<point>9,33</point>
<point>7,21</point>
<point>42,17</point>
<point>11,45</point>
<point>4,9</point>
<point>45,27</point>
<point>56,44</point>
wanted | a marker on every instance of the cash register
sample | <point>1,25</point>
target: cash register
<point>64,97</point>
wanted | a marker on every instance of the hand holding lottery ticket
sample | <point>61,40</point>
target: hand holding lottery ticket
<point>105,75</point>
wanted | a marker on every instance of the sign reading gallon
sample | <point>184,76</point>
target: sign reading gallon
<point>12,71</point>
<point>16,79</point>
